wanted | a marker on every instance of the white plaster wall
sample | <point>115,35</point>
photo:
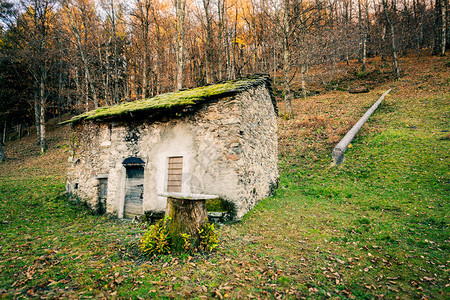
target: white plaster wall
<point>175,139</point>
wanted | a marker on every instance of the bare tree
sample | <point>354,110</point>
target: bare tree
<point>221,4</point>
<point>393,46</point>
<point>441,6</point>
<point>180,14</point>
<point>286,31</point>
<point>208,40</point>
<point>77,14</point>
<point>143,17</point>
<point>37,48</point>
<point>110,8</point>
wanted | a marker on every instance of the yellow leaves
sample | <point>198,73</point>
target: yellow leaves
<point>239,41</point>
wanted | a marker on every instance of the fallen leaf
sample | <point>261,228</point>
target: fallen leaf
<point>392,289</point>
<point>29,276</point>
<point>52,282</point>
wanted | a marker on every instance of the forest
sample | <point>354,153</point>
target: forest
<point>59,56</point>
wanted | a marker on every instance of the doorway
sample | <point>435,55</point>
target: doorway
<point>134,187</point>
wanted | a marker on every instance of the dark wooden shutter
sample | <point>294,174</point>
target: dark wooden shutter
<point>175,174</point>
<point>103,188</point>
<point>102,194</point>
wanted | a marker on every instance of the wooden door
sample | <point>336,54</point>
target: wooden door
<point>134,192</point>
<point>175,174</point>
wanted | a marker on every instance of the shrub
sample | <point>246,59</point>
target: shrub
<point>156,240</point>
<point>208,239</point>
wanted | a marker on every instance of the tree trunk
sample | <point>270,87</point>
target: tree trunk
<point>43,142</point>
<point>144,74</point>
<point>394,50</point>
<point>234,47</point>
<point>3,141</point>
<point>286,56</point>
<point>159,51</point>
<point>419,30</point>
<point>37,114</point>
<point>361,36</point>
<point>303,73</point>
<point>116,70</point>
<point>60,87</point>
<point>86,83</point>
<point>227,48</point>
<point>221,13</point>
<point>2,154</point>
<point>180,7</point>
<point>364,52</point>
<point>79,91</point>
<point>383,43</point>
<point>443,27</point>
<point>187,216</point>
<point>208,60</point>
<point>126,87</point>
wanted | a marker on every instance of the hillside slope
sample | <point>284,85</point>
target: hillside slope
<point>25,160</point>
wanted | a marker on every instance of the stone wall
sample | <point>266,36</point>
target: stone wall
<point>229,148</point>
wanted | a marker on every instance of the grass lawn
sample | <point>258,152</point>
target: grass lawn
<point>375,227</point>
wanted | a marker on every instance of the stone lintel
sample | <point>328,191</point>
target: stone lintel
<point>101,176</point>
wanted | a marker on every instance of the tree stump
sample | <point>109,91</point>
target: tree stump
<point>188,214</point>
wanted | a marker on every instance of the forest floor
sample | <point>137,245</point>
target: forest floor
<point>377,226</point>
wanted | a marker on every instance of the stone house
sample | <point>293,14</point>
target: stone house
<point>219,139</point>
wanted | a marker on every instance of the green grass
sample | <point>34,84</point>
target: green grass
<point>374,227</point>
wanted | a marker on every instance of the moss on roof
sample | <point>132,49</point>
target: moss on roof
<point>172,101</point>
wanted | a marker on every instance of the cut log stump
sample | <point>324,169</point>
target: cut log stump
<point>188,214</point>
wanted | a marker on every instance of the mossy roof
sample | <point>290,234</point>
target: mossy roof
<point>175,101</point>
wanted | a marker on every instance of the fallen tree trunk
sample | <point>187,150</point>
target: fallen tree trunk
<point>341,147</point>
